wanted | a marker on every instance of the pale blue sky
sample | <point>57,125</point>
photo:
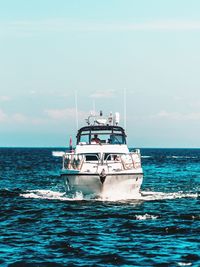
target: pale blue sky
<point>49,49</point>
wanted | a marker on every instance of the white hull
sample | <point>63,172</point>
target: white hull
<point>92,184</point>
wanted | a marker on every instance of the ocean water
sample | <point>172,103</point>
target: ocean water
<point>41,226</point>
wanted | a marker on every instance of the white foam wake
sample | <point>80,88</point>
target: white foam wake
<point>181,157</point>
<point>58,153</point>
<point>184,263</point>
<point>146,217</point>
<point>149,196</point>
<point>143,196</point>
<point>52,195</point>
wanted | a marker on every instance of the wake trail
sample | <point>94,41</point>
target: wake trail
<point>78,196</point>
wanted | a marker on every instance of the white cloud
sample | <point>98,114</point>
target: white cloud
<point>11,118</point>
<point>33,92</point>
<point>38,121</point>
<point>4,98</point>
<point>59,114</point>
<point>52,114</point>
<point>64,114</point>
<point>20,118</point>
<point>103,94</point>
<point>177,115</point>
<point>193,116</point>
<point>194,104</point>
<point>3,116</point>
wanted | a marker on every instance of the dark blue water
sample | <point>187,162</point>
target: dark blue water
<point>41,226</point>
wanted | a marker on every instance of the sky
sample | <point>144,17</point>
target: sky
<point>51,50</point>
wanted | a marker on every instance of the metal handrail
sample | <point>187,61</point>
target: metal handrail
<point>126,165</point>
<point>75,161</point>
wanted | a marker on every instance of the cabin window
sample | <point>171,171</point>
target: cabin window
<point>92,157</point>
<point>103,137</point>
<point>112,157</point>
<point>106,136</point>
<point>107,156</point>
<point>117,139</point>
<point>84,139</point>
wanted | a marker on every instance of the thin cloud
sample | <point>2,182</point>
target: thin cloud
<point>64,114</point>
<point>15,117</point>
<point>194,104</point>
<point>3,116</point>
<point>51,115</point>
<point>32,92</point>
<point>29,27</point>
<point>19,118</point>
<point>103,94</point>
<point>4,98</point>
<point>169,25</point>
<point>193,116</point>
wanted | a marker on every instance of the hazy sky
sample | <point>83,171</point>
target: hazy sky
<point>51,48</point>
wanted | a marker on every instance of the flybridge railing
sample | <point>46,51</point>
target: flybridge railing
<point>113,161</point>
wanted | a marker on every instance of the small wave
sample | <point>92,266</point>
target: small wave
<point>148,195</point>
<point>184,263</point>
<point>58,153</point>
<point>146,157</point>
<point>146,217</point>
<point>52,195</point>
<point>181,157</point>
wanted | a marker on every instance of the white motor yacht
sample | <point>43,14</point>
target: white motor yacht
<point>101,163</point>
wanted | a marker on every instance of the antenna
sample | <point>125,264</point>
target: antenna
<point>76,107</point>
<point>125,109</point>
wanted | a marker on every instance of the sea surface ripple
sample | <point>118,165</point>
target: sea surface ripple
<point>41,226</point>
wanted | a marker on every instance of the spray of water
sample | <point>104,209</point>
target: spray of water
<point>58,153</point>
<point>143,196</point>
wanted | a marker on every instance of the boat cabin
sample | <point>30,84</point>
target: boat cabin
<point>107,134</point>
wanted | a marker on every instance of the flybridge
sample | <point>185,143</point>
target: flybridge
<point>102,128</point>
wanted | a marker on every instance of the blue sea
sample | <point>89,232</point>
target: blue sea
<point>41,226</point>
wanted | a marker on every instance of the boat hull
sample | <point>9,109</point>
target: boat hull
<point>111,184</point>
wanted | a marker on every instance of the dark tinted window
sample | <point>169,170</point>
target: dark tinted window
<point>92,157</point>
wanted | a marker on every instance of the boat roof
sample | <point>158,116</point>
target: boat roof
<point>101,127</point>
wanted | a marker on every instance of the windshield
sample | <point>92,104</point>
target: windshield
<point>109,136</point>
